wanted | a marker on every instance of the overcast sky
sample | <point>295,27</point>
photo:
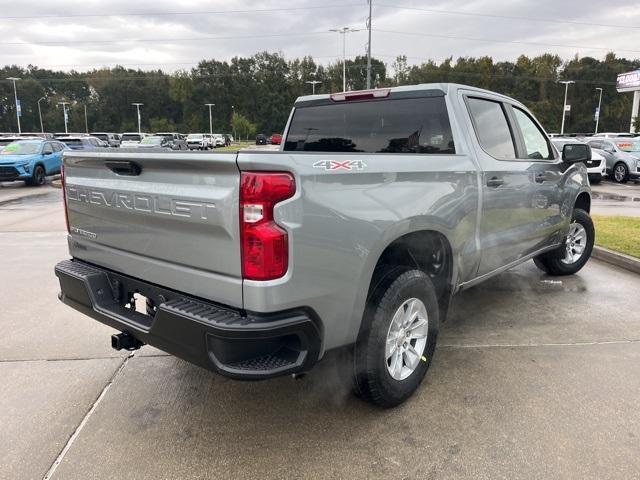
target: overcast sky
<point>180,33</point>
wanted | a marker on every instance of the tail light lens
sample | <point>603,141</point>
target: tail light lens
<point>265,245</point>
<point>64,196</point>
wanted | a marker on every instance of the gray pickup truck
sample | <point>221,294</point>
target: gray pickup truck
<point>379,206</point>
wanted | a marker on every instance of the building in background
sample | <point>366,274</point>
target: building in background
<point>630,82</point>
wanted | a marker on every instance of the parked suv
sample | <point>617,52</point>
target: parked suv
<point>111,139</point>
<point>30,160</point>
<point>622,156</point>
<point>381,205</point>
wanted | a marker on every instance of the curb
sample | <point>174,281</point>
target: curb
<point>618,259</point>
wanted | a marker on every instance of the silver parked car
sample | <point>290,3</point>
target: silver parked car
<point>622,156</point>
<point>596,167</point>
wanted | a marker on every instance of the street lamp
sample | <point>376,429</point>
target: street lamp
<point>40,114</point>
<point>210,117</point>
<point>313,84</point>
<point>66,117</point>
<point>138,105</point>
<point>564,106</point>
<point>233,112</point>
<point>343,31</point>
<point>599,103</point>
<point>15,95</point>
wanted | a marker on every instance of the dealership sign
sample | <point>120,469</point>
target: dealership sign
<point>628,82</point>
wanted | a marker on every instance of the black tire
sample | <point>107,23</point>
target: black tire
<point>595,178</point>
<point>552,262</point>
<point>372,380</point>
<point>620,173</point>
<point>38,177</point>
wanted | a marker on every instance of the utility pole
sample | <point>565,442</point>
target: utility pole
<point>40,114</point>
<point>138,105</point>
<point>369,46</point>
<point>564,106</point>
<point>86,122</point>
<point>313,84</point>
<point>233,112</point>
<point>343,31</point>
<point>599,104</point>
<point>15,95</point>
<point>64,111</point>
<point>210,117</point>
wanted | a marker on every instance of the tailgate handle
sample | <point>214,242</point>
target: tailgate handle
<point>131,169</point>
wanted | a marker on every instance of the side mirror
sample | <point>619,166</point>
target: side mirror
<point>576,153</point>
<point>47,153</point>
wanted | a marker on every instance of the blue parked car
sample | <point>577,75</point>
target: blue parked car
<point>30,160</point>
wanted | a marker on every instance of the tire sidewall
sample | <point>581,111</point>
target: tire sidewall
<point>409,284</point>
<point>39,179</point>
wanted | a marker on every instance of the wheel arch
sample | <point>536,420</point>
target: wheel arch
<point>583,201</point>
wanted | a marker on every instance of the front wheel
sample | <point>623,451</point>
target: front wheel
<point>621,173</point>
<point>38,177</point>
<point>577,248</point>
<point>395,347</point>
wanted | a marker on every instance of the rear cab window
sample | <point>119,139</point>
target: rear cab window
<point>401,125</point>
<point>492,128</point>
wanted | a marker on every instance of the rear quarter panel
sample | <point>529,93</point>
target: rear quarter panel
<point>340,221</point>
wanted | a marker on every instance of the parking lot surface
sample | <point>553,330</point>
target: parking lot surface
<point>534,377</point>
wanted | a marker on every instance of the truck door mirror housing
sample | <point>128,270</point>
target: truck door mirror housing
<point>576,152</point>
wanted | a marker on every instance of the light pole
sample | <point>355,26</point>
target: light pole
<point>599,103</point>
<point>233,112</point>
<point>86,122</point>
<point>15,95</point>
<point>40,114</point>
<point>64,111</point>
<point>369,47</point>
<point>313,84</point>
<point>138,105</point>
<point>210,117</point>
<point>564,106</point>
<point>343,31</point>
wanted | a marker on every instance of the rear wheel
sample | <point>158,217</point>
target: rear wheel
<point>38,177</point>
<point>400,329</point>
<point>620,173</point>
<point>575,252</point>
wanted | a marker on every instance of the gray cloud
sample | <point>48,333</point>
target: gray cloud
<point>177,41</point>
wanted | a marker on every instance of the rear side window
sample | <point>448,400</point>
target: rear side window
<point>408,125</point>
<point>534,140</point>
<point>595,143</point>
<point>492,128</point>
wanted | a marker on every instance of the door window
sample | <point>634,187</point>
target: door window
<point>47,148</point>
<point>535,141</point>
<point>492,128</point>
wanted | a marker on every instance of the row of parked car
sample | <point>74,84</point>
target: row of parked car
<point>614,155</point>
<point>167,140</point>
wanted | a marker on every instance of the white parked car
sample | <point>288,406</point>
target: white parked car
<point>596,167</point>
<point>131,138</point>
<point>218,140</point>
<point>197,141</point>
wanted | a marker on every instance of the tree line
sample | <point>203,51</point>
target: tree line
<point>262,88</point>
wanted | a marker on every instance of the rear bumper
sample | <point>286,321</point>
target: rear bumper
<point>232,342</point>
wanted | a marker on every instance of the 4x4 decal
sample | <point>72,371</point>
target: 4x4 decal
<point>330,165</point>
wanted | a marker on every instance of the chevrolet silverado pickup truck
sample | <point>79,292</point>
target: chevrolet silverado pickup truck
<point>379,206</point>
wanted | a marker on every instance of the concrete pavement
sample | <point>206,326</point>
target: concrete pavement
<point>534,377</point>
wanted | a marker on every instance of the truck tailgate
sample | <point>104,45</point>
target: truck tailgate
<point>167,218</point>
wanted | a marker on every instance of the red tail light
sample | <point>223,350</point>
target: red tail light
<point>265,245</point>
<point>64,197</point>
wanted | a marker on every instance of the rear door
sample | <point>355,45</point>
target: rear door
<point>508,227</point>
<point>167,218</point>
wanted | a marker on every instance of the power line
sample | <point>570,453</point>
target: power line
<point>162,14</point>
<point>505,17</point>
<point>167,40</point>
<point>516,42</point>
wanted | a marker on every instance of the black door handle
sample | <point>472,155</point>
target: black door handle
<point>540,177</point>
<point>131,169</point>
<point>495,182</point>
